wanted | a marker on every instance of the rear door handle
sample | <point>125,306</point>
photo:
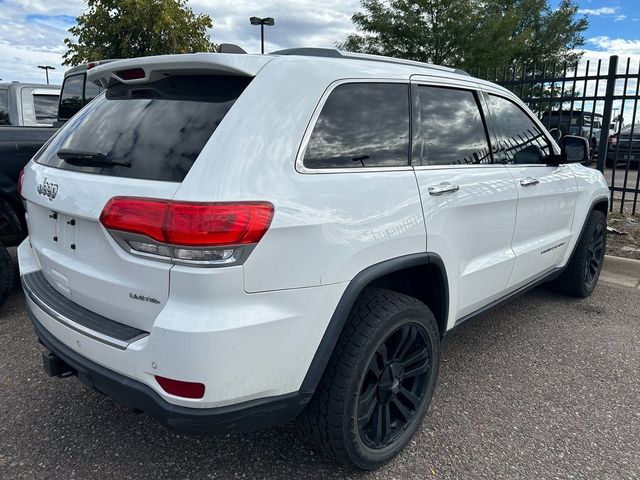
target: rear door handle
<point>443,188</point>
<point>527,182</point>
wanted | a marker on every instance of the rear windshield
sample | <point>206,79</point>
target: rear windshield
<point>4,106</point>
<point>153,131</point>
<point>46,108</point>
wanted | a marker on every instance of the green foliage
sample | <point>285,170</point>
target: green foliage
<point>470,34</point>
<point>425,30</point>
<point>136,28</point>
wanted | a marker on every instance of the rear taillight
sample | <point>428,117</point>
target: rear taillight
<point>187,232</point>
<point>20,181</point>
<point>131,74</point>
<point>180,388</point>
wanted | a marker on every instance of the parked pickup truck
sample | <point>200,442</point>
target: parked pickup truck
<point>28,113</point>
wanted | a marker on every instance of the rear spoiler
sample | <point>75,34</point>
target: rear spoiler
<point>150,69</point>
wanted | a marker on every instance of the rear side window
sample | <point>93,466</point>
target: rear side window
<point>153,131</point>
<point>4,106</point>
<point>361,125</point>
<point>450,130</point>
<point>520,140</point>
<point>46,108</point>
<point>71,96</point>
<point>91,91</point>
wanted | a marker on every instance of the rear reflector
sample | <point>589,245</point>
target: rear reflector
<point>180,388</point>
<point>132,74</point>
<point>187,223</point>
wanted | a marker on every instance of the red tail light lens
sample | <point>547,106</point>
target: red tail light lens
<point>180,388</point>
<point>216,225</point>
<point>189,224</point>
<point>20,181</point>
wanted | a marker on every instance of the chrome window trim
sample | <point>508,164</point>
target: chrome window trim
<point>469,86</point>
<point>299,163</point>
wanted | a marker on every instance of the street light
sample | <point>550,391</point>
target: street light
<point>46,68</point>
<point>269,21</point>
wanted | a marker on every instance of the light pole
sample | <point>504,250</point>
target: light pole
<point>46,69</point>
<point>269,21</point>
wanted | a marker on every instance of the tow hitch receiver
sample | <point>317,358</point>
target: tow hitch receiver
<point>55,367</point>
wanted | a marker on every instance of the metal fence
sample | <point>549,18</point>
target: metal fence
<point>594,99</point>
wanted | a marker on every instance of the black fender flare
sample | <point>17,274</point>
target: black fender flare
<point>348,299</point>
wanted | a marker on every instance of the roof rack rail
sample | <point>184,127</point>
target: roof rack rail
<point>309,52</point>
<point>333,53</point>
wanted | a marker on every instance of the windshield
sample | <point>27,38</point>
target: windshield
<point>153,131</point>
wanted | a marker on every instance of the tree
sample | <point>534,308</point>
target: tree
<point>525,32</point>
<point>424,30</point>
<point>470,34</point>
<point>136,28</point>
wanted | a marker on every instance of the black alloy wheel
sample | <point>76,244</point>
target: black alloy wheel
<point>394,385</point>
<point>595,255</point>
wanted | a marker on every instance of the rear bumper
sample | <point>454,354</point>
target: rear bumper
<point>246,416</point>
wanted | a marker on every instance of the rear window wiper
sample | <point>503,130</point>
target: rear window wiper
<point>77,157</point>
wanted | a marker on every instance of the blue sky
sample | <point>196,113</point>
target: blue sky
<point>32,31</point>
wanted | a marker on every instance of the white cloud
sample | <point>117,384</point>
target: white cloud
<point>616,46</point>
<point>32,32</point>
<point>599,11</point>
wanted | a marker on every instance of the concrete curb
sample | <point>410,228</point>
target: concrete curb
<point>621,271</point>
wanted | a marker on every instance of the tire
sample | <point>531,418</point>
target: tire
<point>11,232</point>
<point>582,273</point>
<point>380,322</point>
<point>7,274</point>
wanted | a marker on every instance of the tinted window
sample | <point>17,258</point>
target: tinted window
<point>4,107</point>
<point>91,90</point>
<point>157,130</point>
<point>71,96</point>
<point>521,141</point>
<point>362,125</point>
<point>450,130</point>
<point>46,108</point>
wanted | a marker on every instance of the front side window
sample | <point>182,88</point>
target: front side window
<point>450,130</point>
<point>520,140</point>
<point>361,125</point>
<point>46,108</point>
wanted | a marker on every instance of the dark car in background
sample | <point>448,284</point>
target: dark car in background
<point>29,115</point>
<point>624,147</point>
<point>576,122</point>
<point>76,91</point>
<point>28,112</point>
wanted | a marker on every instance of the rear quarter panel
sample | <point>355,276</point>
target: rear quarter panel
<point>326,227</point>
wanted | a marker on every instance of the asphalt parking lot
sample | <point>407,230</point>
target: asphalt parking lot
<point>544,387</point>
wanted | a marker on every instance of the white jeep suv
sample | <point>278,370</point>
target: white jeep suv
<point>230,241</point>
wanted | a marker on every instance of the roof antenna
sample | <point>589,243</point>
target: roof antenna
<point>230,48</point>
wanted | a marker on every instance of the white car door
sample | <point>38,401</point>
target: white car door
<point>469,202</point>
<point>546,192</point>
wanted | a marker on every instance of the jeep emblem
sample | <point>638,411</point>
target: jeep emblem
<point>47,189</point>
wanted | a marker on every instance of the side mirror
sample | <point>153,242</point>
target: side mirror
<point>556,134</point>
<point>574,149</point>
